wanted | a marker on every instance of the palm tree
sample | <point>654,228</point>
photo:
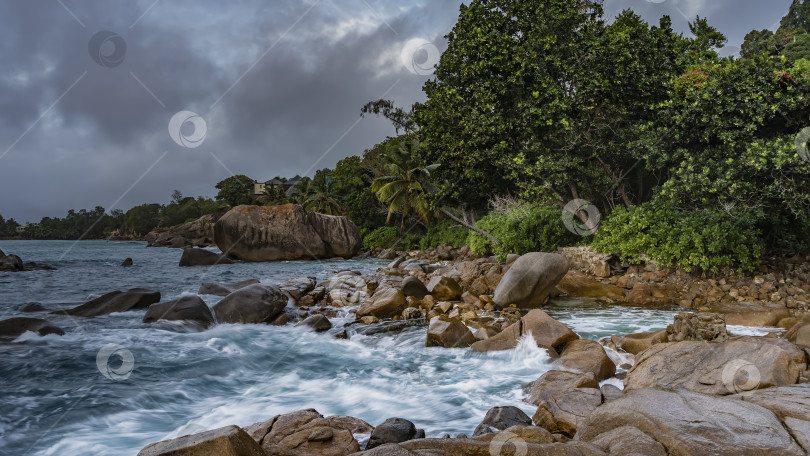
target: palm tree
<point>320,198</point>
<point>407,185</point>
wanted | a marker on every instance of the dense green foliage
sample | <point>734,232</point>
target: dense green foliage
<point>8,227</point>
<point>388,237</point>
<point>706,239</point>
<point>522,230</point>
<point>236,190</point>
<point>445,232</point>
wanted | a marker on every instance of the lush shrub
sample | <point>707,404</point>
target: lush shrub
<point>443,233</point>
<point>521,231</point>
<point>387,237</point>
<point>704,239</point>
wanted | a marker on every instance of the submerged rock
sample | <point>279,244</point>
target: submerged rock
<point>286,232</point>
<point>224,289</point>
<point>32,307</point>
<point>10,263</point>
<point>530,280</point>
<point>114,301</point>
<point>252,304</point>
<point>184,308</point>
<point>15,327</point>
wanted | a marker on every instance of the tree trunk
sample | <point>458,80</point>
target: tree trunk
<point>470,227</point>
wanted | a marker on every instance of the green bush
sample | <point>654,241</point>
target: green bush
<point>443,233</point>
<point>387,237</point>
<point>704,239</point>
<point>520,231</point>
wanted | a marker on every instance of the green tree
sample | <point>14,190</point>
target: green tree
<point>797,49</point>
<point>321,196</point>
<point>236,190</point>
<point>758,42</point>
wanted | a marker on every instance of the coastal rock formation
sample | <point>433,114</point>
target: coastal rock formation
<point>298,287</point>
<point>502,443</point>
<point>751,314</point>
<point>566,412</point>
<point>553,383</point>
<point>799,333</point>
<point>10,263</point>
<point>393,430</point>
<point>14,327</point>
<point>384,303</point>
<point>224,289</point>
<point>32,307</point>
<point>412,286</point>
<point>547,332</point>
<point>444,288</point>
<point>196,233</point>
<point>287,232</point>
<point>114,301</point>
<point>638,342</point>
<point>791,404</point>
<point>252,304</point>
<point>500,418</point>
<point>307,432</point>
<point>530,280</point>
<point>686,423</point>
<point>702,326</point>
<point>184,308</point>
<point>448,332</point>
<point>584,355</point>
<point>202,257</point>
<point>318,323</point>
<point>712,368</point>
<point>225,441</point>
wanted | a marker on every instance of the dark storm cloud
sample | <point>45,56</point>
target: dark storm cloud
<point>279,84</point>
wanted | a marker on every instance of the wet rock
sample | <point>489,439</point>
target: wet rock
<point>702,326</point>
<point>448,332</point>
<point>252,304</point>
<point>385,303</point>
<point>10,263</point>
<point>114,301</point>
<point>224,289</point>
<point>14,327</point>
<point>504,443</point>
<point>500,418</point>
<point>412,286</point>
<point>184,308</point>
<point>285,232</point>
<point>32,307</point>
<point>392,430</point>
<point>791,404</point>
<point>584,355</point>
<point>319,323</point>
<point>798,333</point>
<point>575,283</point>
<point>686,422</point>
<point>306,433</point>
<point>202,257</point>
<point>530,279</point>
<point>713,368</point>
<point>553,383</point>
<point>638,342</point>
<point>226,441</point>
<point>547,332</point>
<point>298,287</point>
<point>127,262</point>
<point>444,288</point>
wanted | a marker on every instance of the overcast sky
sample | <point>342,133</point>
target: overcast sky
<point>277,86</point>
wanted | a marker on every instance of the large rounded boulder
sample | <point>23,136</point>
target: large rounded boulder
<point>530,280</point>
<point>286,232</point>
<point>252,304</point>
